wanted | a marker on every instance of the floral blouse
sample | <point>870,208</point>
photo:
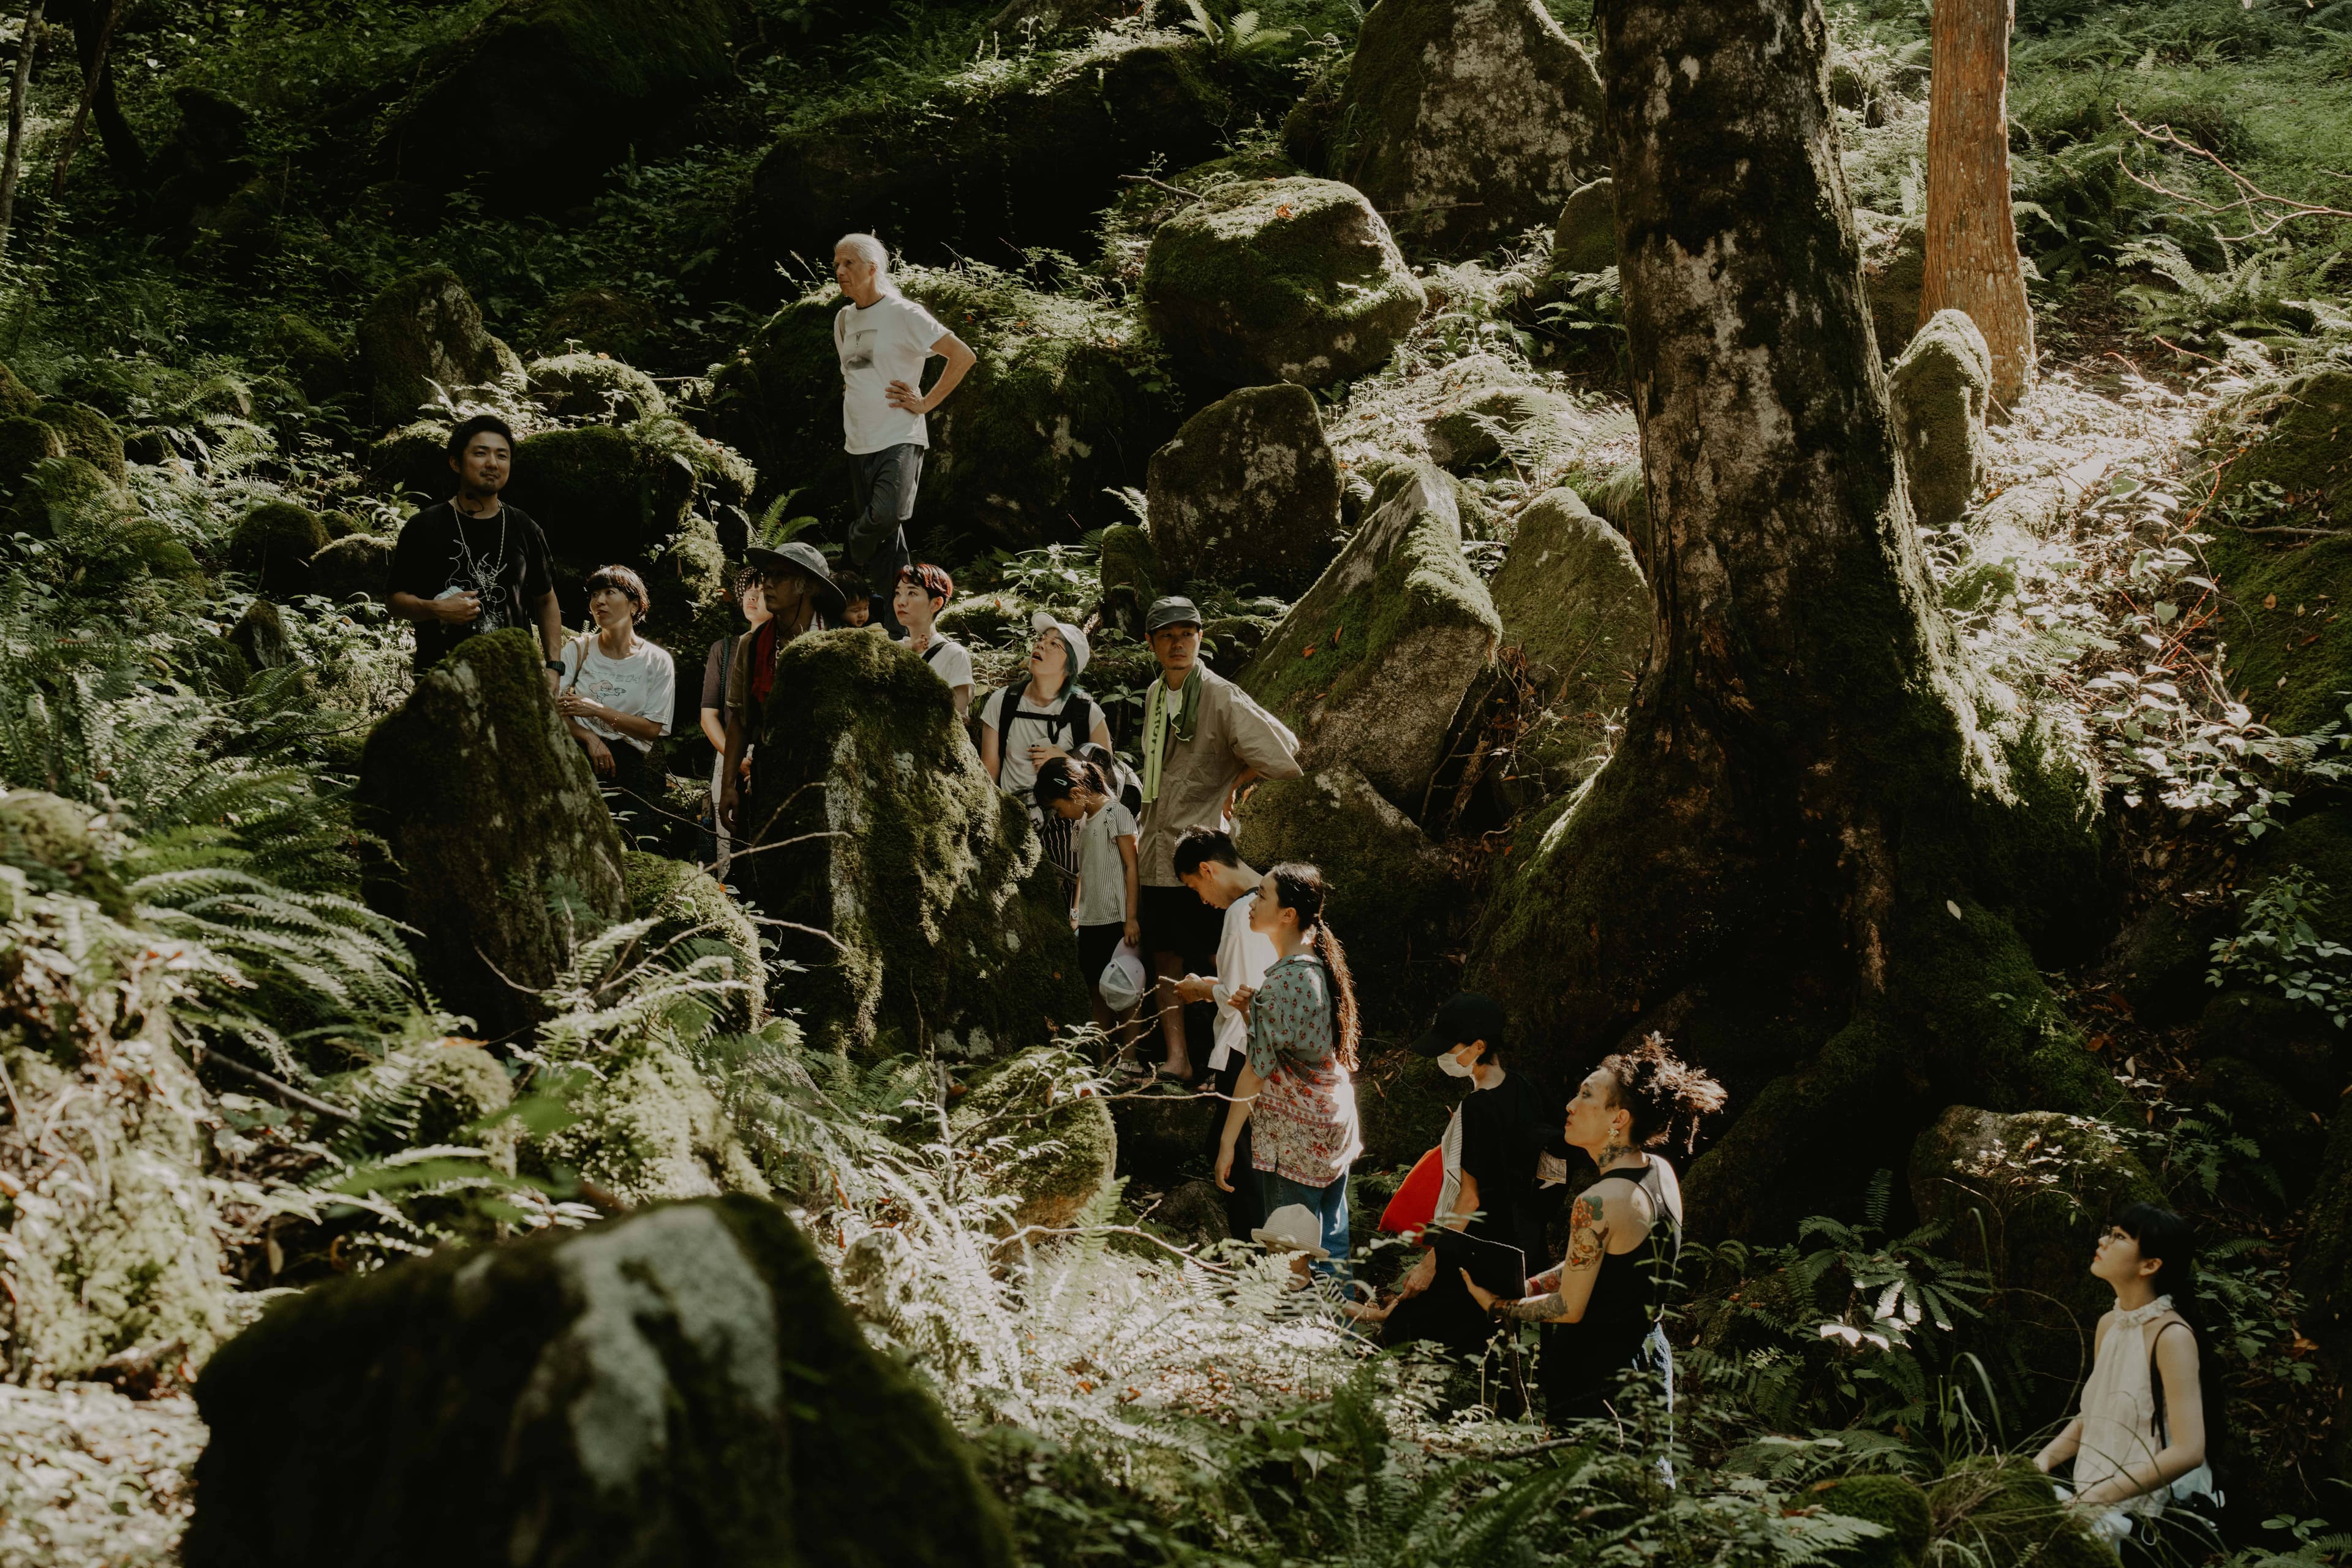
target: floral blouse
<point>1303,1125</point>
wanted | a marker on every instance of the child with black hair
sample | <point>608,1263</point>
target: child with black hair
<point>860,610</point>
<point>1079,791</point>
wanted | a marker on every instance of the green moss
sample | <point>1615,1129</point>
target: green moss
<point>319,365</point>
<point>1584,238</point>
<point>24,442</point>
<point>1248,493</point>
<point>222,393</point>
<point>1292,280</point>
<point>600,320</point>
<point>584,385</point>
<point>272,546</point>
<point>358,564</point>
<point>602,495</point>
<point>1036,1139</point>
<point>87,433</point>
<point>16,398</point>
<point>1403,1103</point>
<point>2002,1513</point>
<point>647,1130</point>
<point>1130,576</point>
<point>1938,392</point>
<point>412,462</point>
<point>432,1092</point>
<point>59,491</point>
<point>683,899</point>
<point>423,330</point>
<point>1895,1503</point>
<point>1894,274</point>
<point>951,926</point>
<point>49,839</point>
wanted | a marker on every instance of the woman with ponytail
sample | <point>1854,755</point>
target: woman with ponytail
<point>1298,1090</point>
<point>2139,1444</point>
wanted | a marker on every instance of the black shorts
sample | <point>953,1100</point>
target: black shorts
<point>1174,919</point>
<point>1095,945</point>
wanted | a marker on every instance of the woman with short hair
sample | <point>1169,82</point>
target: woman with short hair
<point>618,691</point>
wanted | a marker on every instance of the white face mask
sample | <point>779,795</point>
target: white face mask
<point>1452,1065</point>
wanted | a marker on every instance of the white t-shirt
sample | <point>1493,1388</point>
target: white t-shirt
<point>643,685</point>
<point>948,659</point>
<point>1033,724</point>
<point>1102,874</point>
<point>1243,958</point>
<point>879,343</point>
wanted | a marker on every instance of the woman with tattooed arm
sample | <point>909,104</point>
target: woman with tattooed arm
<point>1604,1306</point>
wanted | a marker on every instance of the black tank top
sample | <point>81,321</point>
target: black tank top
<point>1583,1360</point>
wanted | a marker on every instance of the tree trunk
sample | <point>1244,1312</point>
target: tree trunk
<point>1972,263</point>
<point>19,85</point>
<point>1768,866</point>
<point>93,25</point>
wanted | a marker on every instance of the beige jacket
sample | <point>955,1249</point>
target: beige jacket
<point>1234,734</point>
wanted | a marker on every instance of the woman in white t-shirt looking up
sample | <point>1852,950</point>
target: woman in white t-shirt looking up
<point>1044,715</point>
<point>921,593</point>
<point>883,340</point>
<point>618,690</point>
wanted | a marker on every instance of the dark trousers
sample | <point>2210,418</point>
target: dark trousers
<point>633,792</point>
<point>1244,1209</point>
<point>883,484</point>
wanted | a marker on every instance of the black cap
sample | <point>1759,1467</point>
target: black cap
<point>806,558</point>
<point>1465,1018</point>
<point>1175,610</point>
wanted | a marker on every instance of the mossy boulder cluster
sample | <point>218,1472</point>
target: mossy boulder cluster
<point>1466,120</point>
<point>423,332</point>
<point>1938,393</point>
<point>585,385</point>
<point>1371,665</point>
<point>941,920</point>
<point>1280,280</point>
<point>274,546</point>
<point>680,1384</point>
<point>1040,1135</point>
<point>1247,493</point>
<point>502,851</point>
<point>602,494</point>
<point>358,564</point>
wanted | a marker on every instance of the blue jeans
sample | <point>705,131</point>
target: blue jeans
<point>1327,1205</point>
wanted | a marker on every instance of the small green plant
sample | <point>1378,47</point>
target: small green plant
<point>1237,36</point>
<point>2277,949</point>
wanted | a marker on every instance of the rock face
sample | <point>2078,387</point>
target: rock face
<point>678,1386</point>
<point>1037,1138</point>
<point>1584,239</point>
<point>950,925</point>
<point>547,95</point>
<point>1281,280</point>
<point>359,563</point>
<point>1370,666</point>
<point>273,546</point>
<point>1575,605</point>
<point>1894,274</point>
<point>2034,1185</point>
<point>1466,120</point>
<point>423,330</point>
<point>493,814</point>
<point>1055,414</point>
<point>1248,493</point>
<point>1938,392</point>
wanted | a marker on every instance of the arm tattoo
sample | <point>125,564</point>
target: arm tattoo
<point>1535,1309</point>
<point>1585,1238</point>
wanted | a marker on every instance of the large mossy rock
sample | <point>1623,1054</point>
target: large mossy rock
<point>58,492</point>
<point>942,920</point>
<point>646,1127</point>
<point>501,842</point>
<point>1370,668</point>
<point>1466,120</point>
<point>1938,393</point>
<point>678,1386</point>
<point>273,546</point>
<point>1575,605</point>
<point>2001,1512</point>
<point>1247,493</point>
<point>586,385</point>
<point>25,443</point>
<point>1040,1136</point>
<point>423,331</point>
<point>1062,409</point>
<point>2024,1195</point>
<point>1893,276</point>
<point>1290,280</point>
<point>357,563</point>
<point>694,917</point>
<point>1403,1103</point>
<point>545,96</point>
<point>52,842</point>
<point>1024,149</point>
<point>1896,1504</point>
<point>1584,236</point>
<point>602,495</point>
<point>412,462</point>
<point>86,433</point>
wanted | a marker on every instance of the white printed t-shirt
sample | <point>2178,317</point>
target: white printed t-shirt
<point>879,343</point>
<point>1102,874</point>
<point>1243,958</point>
<point>643,685</point>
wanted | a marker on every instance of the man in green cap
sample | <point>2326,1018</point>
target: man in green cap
<point>1204,743</point>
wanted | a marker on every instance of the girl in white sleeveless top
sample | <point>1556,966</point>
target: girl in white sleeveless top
<point>2139,1443</point>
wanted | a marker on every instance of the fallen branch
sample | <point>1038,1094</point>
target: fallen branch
<point>2252,200</point>
<point>2285,528</point>
<point>1026,1231</point>
<point>1171,190</point>
<point>254,1075</point>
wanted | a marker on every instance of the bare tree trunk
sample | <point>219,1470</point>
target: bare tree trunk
<point>1972,263</point>
<point>1769,865</point>
<point>19,85</point>
<point>94,41</point>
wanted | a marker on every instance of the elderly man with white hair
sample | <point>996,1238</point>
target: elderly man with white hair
<point>883,340</point>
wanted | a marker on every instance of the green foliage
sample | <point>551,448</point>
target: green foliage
<point>2277,949</point>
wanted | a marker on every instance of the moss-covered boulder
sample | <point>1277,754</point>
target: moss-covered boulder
<point>1938,392</point>
<point>24,442</point>
<point>943,922</point>
<point>358,564</point>
<point>1403,1102</point>
<point>501,844</point>
<point>1371,665</point>
<point>412,462</point>
<point>2024,1195</point>
<point>58,492</point>
<point>1575,605</point>
<point>1248,493</point>
<point>54,844</point>
<point>1487,419</point>
<point>446,1091</point>
<point>260,636</point>
<point>2000,1510</point>
<point>678,1386</point>
<point>585,385</point>
<point>646,1128</point>
<point>1893,276</point>
<point>602,494</point>
<point>2159,961</point>
<point>421,332</point>
<point>87,433</point>
<point>273,545</point>
<point>1040,1135</point>
<point>316,362</point>
<point>1291,279</point>
<point>1024,149</point>
<point>1130,576</point>
<point>16,398</point>
<point>695,917</point>
<point>1064,408</point>
<point>1466,120</point>
<point>1584,236</point>
<point>1896,1504</point>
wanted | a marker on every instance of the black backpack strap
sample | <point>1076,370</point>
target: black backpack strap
<point>1078,718</point>
<point>2156,1382</point>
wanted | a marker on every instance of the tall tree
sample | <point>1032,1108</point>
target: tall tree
<point>94,22</point>
<point>1812,856</point>
<point>19,85</point>
<point>1972,263</point>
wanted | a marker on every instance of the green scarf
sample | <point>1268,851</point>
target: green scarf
<point>1158,722</point>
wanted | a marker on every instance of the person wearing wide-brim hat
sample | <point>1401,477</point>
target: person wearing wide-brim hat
<point>802,597</point>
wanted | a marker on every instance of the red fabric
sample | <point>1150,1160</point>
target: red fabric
<point>1415,1203</point>
<point>764,663</point>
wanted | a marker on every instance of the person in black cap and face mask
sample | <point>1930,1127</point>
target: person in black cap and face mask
<point>802,597</point>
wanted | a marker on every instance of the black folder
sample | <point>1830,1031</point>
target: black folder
<point>1494,1264</point>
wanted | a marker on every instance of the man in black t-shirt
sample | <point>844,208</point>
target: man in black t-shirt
<point>473,564</point>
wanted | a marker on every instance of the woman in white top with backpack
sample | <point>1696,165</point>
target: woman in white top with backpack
<point>1044,715</point>
<point>618,692</point>
<point>2139,1444</point>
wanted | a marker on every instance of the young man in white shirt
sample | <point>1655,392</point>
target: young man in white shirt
<point>1207,863</point>
<point>921,593</point>
<point>884,339</point>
